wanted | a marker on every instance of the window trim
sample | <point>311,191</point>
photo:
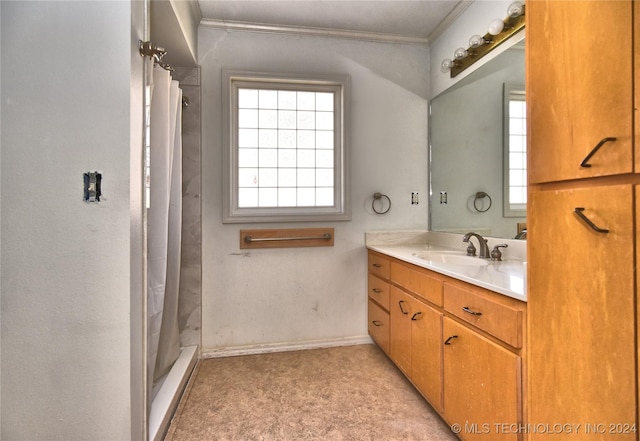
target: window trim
<point>509,209</point>
<point>232,213</point>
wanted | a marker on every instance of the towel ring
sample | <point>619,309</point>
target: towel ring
<point>481,195</point>
<point>379,196</point>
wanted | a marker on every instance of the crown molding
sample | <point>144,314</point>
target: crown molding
<point>456,12</point>
<point>228,25</point>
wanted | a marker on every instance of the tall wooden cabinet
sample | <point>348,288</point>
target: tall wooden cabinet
<point>579,88</point>
<point>582,226</point>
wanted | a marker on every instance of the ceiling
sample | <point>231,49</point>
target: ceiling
<point>418,20</point>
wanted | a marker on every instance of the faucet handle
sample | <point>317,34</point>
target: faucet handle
<point>471,249</point>
<point>496,254</point>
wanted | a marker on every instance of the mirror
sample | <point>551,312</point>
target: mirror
<point>473,125</point>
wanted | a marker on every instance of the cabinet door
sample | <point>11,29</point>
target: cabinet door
<point>580,86</point>
<point>400,311</point>
<point>426,352</point>
<point>482,385</point>
<point>581,314</point>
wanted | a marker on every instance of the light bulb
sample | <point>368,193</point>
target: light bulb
<point>460,53</point>
<point>496,26</point>
<point>515,9</point>
<point>476,41</point>
<point>446,65</point>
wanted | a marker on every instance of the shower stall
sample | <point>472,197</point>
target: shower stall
<point>168,363</point>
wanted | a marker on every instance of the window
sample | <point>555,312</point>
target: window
<point>515,152</point>
<point>285,157</point>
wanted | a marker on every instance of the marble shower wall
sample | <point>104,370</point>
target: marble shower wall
<point>190,302</point>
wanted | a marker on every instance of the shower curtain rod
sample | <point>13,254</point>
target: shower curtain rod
<point>149,49</point>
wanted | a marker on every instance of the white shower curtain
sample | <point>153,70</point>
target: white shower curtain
<point>164,224</point>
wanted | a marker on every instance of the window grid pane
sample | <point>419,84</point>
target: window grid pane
<point>285,148</point>
<point>517,150</point>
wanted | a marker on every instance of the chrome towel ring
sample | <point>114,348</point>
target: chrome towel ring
<point>379,197</point>
<point>481,195</point>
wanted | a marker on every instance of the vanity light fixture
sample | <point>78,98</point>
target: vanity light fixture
<point>476,41</point>
<point>498,32</point>
<point>496,26</point>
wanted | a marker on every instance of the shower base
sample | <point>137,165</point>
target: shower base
<point>166,398</point>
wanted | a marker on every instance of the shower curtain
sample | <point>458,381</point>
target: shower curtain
<point>164,224</point>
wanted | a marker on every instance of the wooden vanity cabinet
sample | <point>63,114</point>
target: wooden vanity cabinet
<point>482,387</point>
<point>483,373</point>
<point>379,323</point>
<point>474,379</point>
<point>582,309</point>
<point>427,353</point>
<point>416,343</point>
<point>416,328</point>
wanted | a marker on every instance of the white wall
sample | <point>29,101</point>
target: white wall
<point>65,264</point>
<point>283,296</point>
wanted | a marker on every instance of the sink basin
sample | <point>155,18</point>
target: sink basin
<point>450,258</point>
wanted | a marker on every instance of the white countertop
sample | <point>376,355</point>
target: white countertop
<point>507,277</point>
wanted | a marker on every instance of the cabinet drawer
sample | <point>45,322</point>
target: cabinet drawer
<point>418,281</point>
<point>379,265</point>
<point>379,291</point>
<point>379,325</point>
<point>501,321</point>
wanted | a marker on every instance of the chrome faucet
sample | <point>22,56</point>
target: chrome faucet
<point>484,248</point>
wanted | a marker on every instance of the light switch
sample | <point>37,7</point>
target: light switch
<point>92,186</point>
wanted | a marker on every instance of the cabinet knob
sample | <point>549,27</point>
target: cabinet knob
<point>401,308</point>
<point>376,290</point>
<point>377,323</point>
<point>416,316</point>
<point>448,341</point>
<point>377,265</point>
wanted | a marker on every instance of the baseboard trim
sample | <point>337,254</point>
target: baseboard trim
<point>285,347</point>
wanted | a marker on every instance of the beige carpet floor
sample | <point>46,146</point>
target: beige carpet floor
<point>334,394</point>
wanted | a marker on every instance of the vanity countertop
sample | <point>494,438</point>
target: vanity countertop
<point>507,277</point>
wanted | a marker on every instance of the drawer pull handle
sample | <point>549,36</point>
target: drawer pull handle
<point>377,323</point>
<point>376,290</point>
<point>579,212</point>
<point>377,265</point>
<point>585,161</point>
<point>401,308</point>
<point>470,311</point>
<point>416,316</point>
<point>448,341</point>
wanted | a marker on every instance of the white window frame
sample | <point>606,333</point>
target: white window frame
<point>511,92</point>
<point>232,212</point>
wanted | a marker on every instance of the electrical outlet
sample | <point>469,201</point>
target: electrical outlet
<point>414,198</point>
<point>443,197</point>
